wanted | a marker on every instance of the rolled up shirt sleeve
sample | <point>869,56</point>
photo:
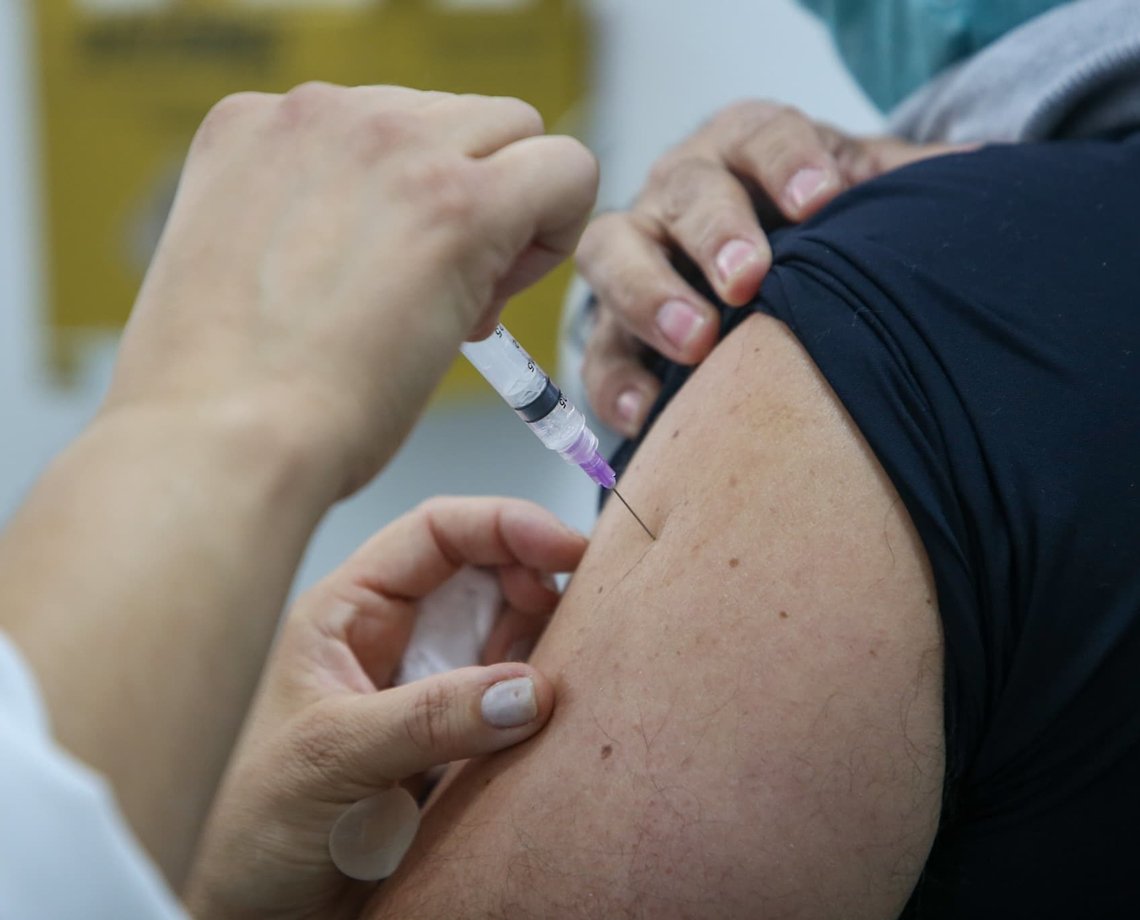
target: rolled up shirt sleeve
<point>65,848</point>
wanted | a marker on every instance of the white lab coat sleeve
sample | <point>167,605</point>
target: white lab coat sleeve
<point>65,849</point>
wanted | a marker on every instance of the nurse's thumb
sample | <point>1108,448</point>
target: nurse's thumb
<point>397,733</point>
<point>403,731</point>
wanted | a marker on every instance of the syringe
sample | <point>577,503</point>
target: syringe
<point>535,398</point>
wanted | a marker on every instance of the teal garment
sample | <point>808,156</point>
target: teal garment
<point>894,46</point>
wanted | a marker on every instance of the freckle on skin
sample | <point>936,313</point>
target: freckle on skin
<point>783,614</point>
<point>607,749</point>
<point>733,563</point>
<point>601,588</point>
<point>675,433</point>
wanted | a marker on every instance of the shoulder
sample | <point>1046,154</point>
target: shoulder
<point>749,710</point>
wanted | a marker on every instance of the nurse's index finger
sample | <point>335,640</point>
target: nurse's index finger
<point>482,125</point>
<point>543,191</point>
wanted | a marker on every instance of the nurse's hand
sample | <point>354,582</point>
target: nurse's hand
<point>328,251</point>
<point>328,729</point>
<point>753,167</point>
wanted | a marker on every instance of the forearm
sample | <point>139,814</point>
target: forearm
<point>142,579</point>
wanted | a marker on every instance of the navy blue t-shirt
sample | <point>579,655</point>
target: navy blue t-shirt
<point>979,317</point>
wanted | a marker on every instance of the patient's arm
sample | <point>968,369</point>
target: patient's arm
<point>749,715</point>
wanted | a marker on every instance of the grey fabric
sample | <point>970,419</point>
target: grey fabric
<point>1073,72</point>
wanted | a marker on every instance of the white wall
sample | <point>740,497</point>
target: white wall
<point>662,67</point>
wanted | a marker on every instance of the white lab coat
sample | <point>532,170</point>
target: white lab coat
<point>65,849</point>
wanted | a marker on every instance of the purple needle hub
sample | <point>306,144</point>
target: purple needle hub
<point>584,452</point>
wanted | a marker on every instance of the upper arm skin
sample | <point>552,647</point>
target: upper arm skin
<point>749,711</point>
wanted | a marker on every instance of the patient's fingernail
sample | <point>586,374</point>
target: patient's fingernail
<point>510,703</point>
<point>805,186</point>
<point>679,322</point>
<point>734,257</point>
<point>629,406</point>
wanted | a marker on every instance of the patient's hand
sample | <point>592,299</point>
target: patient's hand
<point>753,167</point>
<point>328,730</point>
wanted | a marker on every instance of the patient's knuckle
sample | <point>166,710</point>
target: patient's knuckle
<point>627,299</point>
<point>792,137</point>
<point>710,232</point>
<point>663,171</point>
<point>617,257</point>
<point>683,187</point>
<point>596,240</point>
<point>716,216</point>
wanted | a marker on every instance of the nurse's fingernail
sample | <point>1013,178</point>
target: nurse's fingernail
<point>629,406</point>
<point>805,186</point>
<point>679,322</point>
<point>510,703</point>
<point>734,257</point>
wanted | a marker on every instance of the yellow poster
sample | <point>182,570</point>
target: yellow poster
<point>125,83</point>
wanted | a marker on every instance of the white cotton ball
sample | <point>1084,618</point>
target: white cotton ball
<point>452,625</point>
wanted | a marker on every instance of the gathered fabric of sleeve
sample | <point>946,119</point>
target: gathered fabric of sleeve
<point>978,316</point>
<point>65,849</point>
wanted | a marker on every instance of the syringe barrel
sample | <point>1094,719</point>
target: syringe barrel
<point>507,367</point>
<point>561,428</point>
<point>557,423</point>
